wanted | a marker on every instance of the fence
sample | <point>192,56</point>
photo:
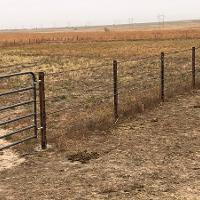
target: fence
<point>18,95</point>
<point>93,97</point>
<point>90,98</point>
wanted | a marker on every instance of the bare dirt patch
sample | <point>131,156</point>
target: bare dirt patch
<point>151,157</point>
<point>8,158</point>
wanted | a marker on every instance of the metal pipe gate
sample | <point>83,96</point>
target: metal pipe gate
<point>32,115</point>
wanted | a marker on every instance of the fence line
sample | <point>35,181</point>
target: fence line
<point>115,75</point>
<point>111,84</point>
<point>116,88</point>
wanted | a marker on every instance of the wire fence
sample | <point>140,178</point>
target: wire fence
<point>120,88</point>
<point>96,96</point>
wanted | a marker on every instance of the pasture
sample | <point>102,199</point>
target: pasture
<point>150,151</point>
<point>79,79</point>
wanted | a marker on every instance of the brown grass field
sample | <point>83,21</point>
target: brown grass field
<point>79,75</point>
<point>83,36</point>
<point>154,31</point>
<point>153,155</point>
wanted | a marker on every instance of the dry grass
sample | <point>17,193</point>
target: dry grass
<point>21,38</point>
<point>87,93</point>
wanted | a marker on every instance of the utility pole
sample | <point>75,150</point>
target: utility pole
<point>161,20</point>
<point>131,21</point>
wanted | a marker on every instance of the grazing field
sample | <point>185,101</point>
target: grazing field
<point>131,32</point>
<point>92,155</point>
<point>104,35</point>
<point>155,156</point>
<point>79,78</point>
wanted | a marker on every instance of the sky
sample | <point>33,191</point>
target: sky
<point>59,13</point>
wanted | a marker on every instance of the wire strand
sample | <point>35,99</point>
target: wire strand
<point>65,108</point>
<point>138,59</point>
<point>79,69</point>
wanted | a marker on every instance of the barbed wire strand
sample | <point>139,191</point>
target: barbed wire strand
<point>157,55</point>
<point>176,52</point>
<point>138,59</point>
<point>88,89</point>
<point>79,69</point>
<point>65,108</point>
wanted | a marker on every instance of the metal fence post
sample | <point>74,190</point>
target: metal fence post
<point>115,91</point>
<point>42,110</point>
<point>193,67</point>
<point>162,77</point>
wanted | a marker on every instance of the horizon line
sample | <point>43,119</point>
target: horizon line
<point>96,26</point>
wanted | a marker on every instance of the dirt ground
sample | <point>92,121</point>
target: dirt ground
<point>9,158</point>
<point>151,157</point>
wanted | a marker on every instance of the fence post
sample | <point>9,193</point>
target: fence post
<point>42,110</point>
<point>115,92</point>
<point>162,77</point>
<point>193,67</point>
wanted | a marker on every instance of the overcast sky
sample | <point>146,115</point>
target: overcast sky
<point>48,13</point>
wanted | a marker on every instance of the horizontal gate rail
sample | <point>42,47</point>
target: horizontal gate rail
<point>17,105</point>
<point>17,119</point>
<point>30,101</point>
<point>16,91</point>
<point>18,142</point>
<point>18,131</point>
<point>18,74</point>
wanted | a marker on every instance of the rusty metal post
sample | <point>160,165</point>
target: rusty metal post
<point>162,77</point>
<point>193,67</point>
<point>115,91</point>
<point>42,110</point>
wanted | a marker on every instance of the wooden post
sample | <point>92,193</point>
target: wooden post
<point>115,91</point>
<point>42,110</point>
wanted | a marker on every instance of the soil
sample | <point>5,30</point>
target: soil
<point>8,158</point>
<point>154,156</point>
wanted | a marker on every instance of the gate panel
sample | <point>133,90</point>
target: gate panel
<point>12,88</point>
